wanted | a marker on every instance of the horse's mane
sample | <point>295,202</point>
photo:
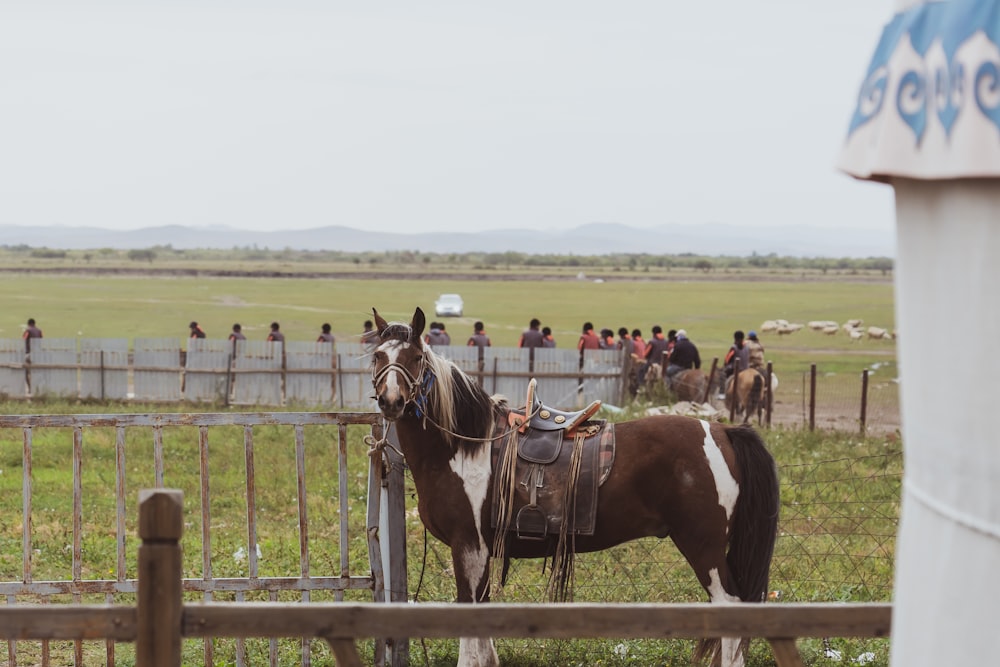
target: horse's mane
<point>457,403</point>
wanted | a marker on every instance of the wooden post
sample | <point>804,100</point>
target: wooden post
<point>812,397</point>
<point>864,400</point>
<point>229,375</point>
<point>158,642</point>
<point>770,394</point>
<point>711,380</point>
<point>386,528</point>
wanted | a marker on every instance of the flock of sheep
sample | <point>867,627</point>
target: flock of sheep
<point>853,328</point>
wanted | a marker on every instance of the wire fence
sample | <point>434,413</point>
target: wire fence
<point>865,402</point>
<point>836,543</point>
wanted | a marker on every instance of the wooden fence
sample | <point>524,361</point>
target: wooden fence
<point>160,620</point>
<point>158,370</point>
<point>122,451</point>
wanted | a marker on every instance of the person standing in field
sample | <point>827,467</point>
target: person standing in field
<point>325,336</point>
<point>531,337</point>
<point>196,331</point>
<point>625,340</point>
<point>638,344</point>
<point>276,334</point>
<point>479,337</point>
<point>588,339</point>
<point>653,353</point>
<point>237,333</point>
<point>608,341</point>
<point>30,331</point>
<point>435,335</point>
<point>547,339</point>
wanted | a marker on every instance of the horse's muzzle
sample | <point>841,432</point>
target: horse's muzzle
<point>391,406</point>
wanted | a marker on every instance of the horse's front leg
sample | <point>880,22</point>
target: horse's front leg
<point>472,575</point>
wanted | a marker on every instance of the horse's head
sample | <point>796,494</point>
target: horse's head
<point>398,363</point>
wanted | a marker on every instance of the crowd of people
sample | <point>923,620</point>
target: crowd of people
<point>274,333</point>
<point>674,351</point>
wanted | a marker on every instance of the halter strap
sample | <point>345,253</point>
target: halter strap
<point>411,382</point>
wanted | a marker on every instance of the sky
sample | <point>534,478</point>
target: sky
<point>433,116</point>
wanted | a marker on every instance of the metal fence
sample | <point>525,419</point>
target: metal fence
<point>266,373</point>
<point>80,474</point>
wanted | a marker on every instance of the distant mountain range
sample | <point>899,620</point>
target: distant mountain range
<point>590,239</point>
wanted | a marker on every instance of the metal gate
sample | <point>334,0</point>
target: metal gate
<point>80,477</point>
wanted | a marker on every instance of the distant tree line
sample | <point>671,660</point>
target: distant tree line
<point>481,261</point>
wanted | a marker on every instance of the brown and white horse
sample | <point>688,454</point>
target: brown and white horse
<point>748,393</point>
<point>711,488</point>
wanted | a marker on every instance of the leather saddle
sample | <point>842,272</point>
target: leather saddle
<point>562,459</point>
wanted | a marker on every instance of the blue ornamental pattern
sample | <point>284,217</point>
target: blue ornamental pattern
<point>941,92</point>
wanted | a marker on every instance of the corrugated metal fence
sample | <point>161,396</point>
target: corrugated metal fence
<point>247,372</point>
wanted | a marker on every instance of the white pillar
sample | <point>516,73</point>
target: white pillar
<point>947,590</point>
<point>928,122</point>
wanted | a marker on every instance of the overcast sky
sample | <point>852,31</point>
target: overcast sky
<point>433,116</point>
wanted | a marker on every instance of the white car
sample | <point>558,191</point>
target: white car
<point>448,305</point>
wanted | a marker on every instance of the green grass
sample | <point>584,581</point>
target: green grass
<point>839,513</point>
<point>840,492</point>
<point>68,306</point>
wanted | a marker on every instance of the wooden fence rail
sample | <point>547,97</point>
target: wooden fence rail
<point>161,620</point>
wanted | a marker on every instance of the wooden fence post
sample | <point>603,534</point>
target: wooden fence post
<point>812,397</point>
<point>159,602</point>
<point>770,394</point>
<point>710,389</point>
<point>864,400</point>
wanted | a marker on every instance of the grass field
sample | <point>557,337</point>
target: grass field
<point>710,308</point>
<point>68,306</point>
<point>838,517</point>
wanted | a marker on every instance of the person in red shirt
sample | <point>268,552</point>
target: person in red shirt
<point>30,331</point>
<point>588,339</point>
<point>638,344</point>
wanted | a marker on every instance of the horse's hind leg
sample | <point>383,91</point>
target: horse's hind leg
<point>707,556</point>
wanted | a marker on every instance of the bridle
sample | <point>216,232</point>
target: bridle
<point>417,387</point>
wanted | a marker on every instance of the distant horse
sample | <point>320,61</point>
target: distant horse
<point>652,378</point>
<point>748,393</point>
<point>689,385</point>
<point>711,488</point>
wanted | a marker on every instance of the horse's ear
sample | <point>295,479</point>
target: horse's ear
<point>380,322</point>
<point>417,325</point>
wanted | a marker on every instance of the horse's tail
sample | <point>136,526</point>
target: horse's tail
<point>754,524</point>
